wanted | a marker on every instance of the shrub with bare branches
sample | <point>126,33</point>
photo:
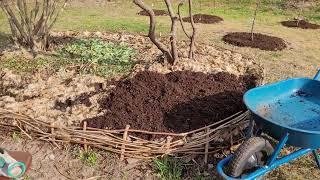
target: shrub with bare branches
<point>171,54</point>
<point>31,21</point>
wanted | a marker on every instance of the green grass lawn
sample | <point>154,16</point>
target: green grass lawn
<point>121,15</point>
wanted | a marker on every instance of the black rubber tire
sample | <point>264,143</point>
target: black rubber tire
<point>258,147</point>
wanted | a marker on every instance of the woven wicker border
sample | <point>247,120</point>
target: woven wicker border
<point>123,142</point>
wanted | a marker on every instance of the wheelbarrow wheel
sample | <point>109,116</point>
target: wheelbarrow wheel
<point>251,155</point>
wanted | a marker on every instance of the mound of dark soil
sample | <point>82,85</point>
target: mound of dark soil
<point>261,41</point>
<point>174,102</point>
<point>157,12</point>
<point>300,24</point>
<point>204,19</point>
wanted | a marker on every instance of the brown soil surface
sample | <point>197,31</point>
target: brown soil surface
<point>174,102</point>
<point>302,24</point>
<point>261,41</point>
<point>67,97</point>
<point>157,12</point>
<point>204,19</point>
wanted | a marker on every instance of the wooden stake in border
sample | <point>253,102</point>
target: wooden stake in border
<point>168,142</point>
<point>123,147</point>
<point>85,145</point>
<point>53,139</point>
<point>206,150</point>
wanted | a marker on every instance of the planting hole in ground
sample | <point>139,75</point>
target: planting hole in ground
<point>300,24</point>
<point>175,102</point>
<point>204,19</point>
<point>157,12</point>
<point>260,41</point>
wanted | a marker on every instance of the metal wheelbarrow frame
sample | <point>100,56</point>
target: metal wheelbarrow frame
<point>308,141</point>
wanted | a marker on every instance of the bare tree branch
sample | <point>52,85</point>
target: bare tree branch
<point>193,35</point>
<point>194,31</point>
<point>30,26</point>
<point>152,28</point>
<point>180,19</point>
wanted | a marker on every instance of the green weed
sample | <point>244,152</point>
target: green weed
<point>89,158</point>
<point>16,136</point>
<point>99,57</point>
<point>26,177</point>
<point>168,168</point>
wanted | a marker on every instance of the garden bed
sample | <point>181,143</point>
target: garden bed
<point>67,97</point>
<point>300,24</point>
<point>52,106</point>
<point>204,19</point>
<point>260,41</point>
<point>175,102</point>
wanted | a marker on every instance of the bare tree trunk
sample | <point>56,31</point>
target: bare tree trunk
<point>152,28</point>
<point>172,53</point>
<point>254,19</point>
<point>173,32</point>
<point>194,31</point>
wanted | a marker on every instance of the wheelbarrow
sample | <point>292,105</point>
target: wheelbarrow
<point>288,111</point>
<point>14,164</point>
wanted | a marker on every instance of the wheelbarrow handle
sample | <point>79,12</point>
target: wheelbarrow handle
<point>317,76</point>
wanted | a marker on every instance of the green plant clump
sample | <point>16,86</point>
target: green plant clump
<point>89,158</point>
<point>100,57</point>
<point>168,168</point>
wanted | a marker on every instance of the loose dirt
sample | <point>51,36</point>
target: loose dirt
<point>204,19</point>
<point>67,97</point>
<point>301,24</point>
<point>261,41</point>
<point>157,12</point>
<point>173,102</point>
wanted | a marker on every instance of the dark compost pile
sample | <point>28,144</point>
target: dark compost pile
<point>261,41</point>
<point>300,24</point>
<point>204,19</point>
<point>157,12</point>
<point>173,102</point>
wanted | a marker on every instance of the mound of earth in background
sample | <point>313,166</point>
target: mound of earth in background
<point>260,41</point>
<point>157,12</point>
<point>300,24</point>
<point>175,102</point>
<point>204,19</point>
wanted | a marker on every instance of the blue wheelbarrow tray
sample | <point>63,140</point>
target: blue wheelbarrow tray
<point>291,106</point>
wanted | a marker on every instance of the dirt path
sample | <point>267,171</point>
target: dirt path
<point>60,163</point>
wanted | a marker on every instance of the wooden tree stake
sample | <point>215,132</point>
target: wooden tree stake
<point>123,147</point>
<point>254,19</point>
